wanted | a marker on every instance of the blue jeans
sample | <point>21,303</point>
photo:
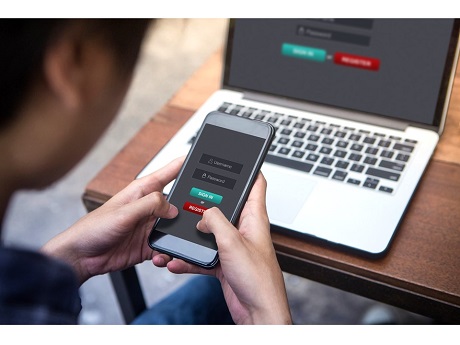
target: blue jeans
<point>200,301</point>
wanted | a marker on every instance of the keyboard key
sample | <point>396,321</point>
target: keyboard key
<point>411,141</point>
<point>312,128</point>
<point>322,171</point>
<point>340,153</point>
<point>224,107</point>
<point>272,119</point>
<point>357,168</point>
<point>299,135</point>
<point>340,134</point>
<point>392,165</point>
<point>342,144</point>
<point>372,150</point>
<point>327,161</point>
<point>285,122</point>
<point>384,143</point>
<point>259,117</point>
<point>283,140</point>
<point>354,181</point>
<point>284,151</point>
<point>369,140</point>
<point>272,148</point>
<point>356,147</point>
<point>299,125</point>
<point>355,137</point>
<point>370,160</point>
<point>403,147</point>
<point>298,154</point>
<point>342,164</point>
<point>297,143</point>
<point>328,141</point>
<point>312,157</point>
<point>313,137</point>
<point>290,163</point>
<point>386,189</point>
<point>355,157</point>
<point>402,157</point>
<point>326,131</point>
<point>389,175</point>
<point>339,175</point>
<point>387,154</point>
<point>286,131</point>
<point>238,108</point>
<point>395,138</point>
<point>371,183</point>
<point>311,147</point>
<point>325,150</point>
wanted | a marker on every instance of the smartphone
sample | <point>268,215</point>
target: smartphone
<point>219,171</point>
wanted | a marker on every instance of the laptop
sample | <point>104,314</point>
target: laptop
<point>359,106</point>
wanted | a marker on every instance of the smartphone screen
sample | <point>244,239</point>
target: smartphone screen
<point>219,171</point>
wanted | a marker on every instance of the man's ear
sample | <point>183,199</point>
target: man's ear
<point>63,72</point>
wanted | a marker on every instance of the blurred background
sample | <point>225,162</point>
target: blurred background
<point>171,52</point>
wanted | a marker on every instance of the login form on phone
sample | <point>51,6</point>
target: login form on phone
<point>216,174</point>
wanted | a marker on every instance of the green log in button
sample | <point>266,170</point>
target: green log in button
<point>205,195</point>
<point>303,52</point>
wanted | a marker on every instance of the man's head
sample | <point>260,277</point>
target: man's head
<point>61,84</point>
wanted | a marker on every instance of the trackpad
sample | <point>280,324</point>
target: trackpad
<point>286,195</point>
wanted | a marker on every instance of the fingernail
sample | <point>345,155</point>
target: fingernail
<point>173,210</point>
<point>159,261</point>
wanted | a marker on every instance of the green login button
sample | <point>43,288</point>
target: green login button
<point>303,52</point>
<point>205,195</point>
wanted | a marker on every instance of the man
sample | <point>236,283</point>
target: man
<point>62,83</point>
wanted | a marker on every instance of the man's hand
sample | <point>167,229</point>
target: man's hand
<point>114,236</point>
<point>248,270</point>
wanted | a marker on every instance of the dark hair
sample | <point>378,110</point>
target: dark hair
<point>24,42</point>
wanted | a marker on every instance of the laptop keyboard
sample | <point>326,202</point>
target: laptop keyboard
<point>350,155</point>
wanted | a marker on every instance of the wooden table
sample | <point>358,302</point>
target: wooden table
<point>420,273</point>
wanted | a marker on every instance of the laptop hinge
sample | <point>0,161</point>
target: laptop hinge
<point>327,110</point>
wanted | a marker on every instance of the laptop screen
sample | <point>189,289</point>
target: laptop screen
<point>397,68</point>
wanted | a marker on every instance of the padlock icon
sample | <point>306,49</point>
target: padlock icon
<point>204,175</point>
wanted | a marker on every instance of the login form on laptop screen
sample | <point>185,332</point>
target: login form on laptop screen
<point>395,68</point>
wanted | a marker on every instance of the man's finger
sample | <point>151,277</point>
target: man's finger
<point>257,196</point>
<point>227,236</point>
<point>152,205</point>
<point>148,184</point>
<point>160,259</point>
<point>178,266</point>
<point>164,175</point>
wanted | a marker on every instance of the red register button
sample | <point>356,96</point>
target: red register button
<point>357,61</point>
<point>188,206</point>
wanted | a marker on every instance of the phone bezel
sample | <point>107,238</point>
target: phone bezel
<point>192,252</point>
